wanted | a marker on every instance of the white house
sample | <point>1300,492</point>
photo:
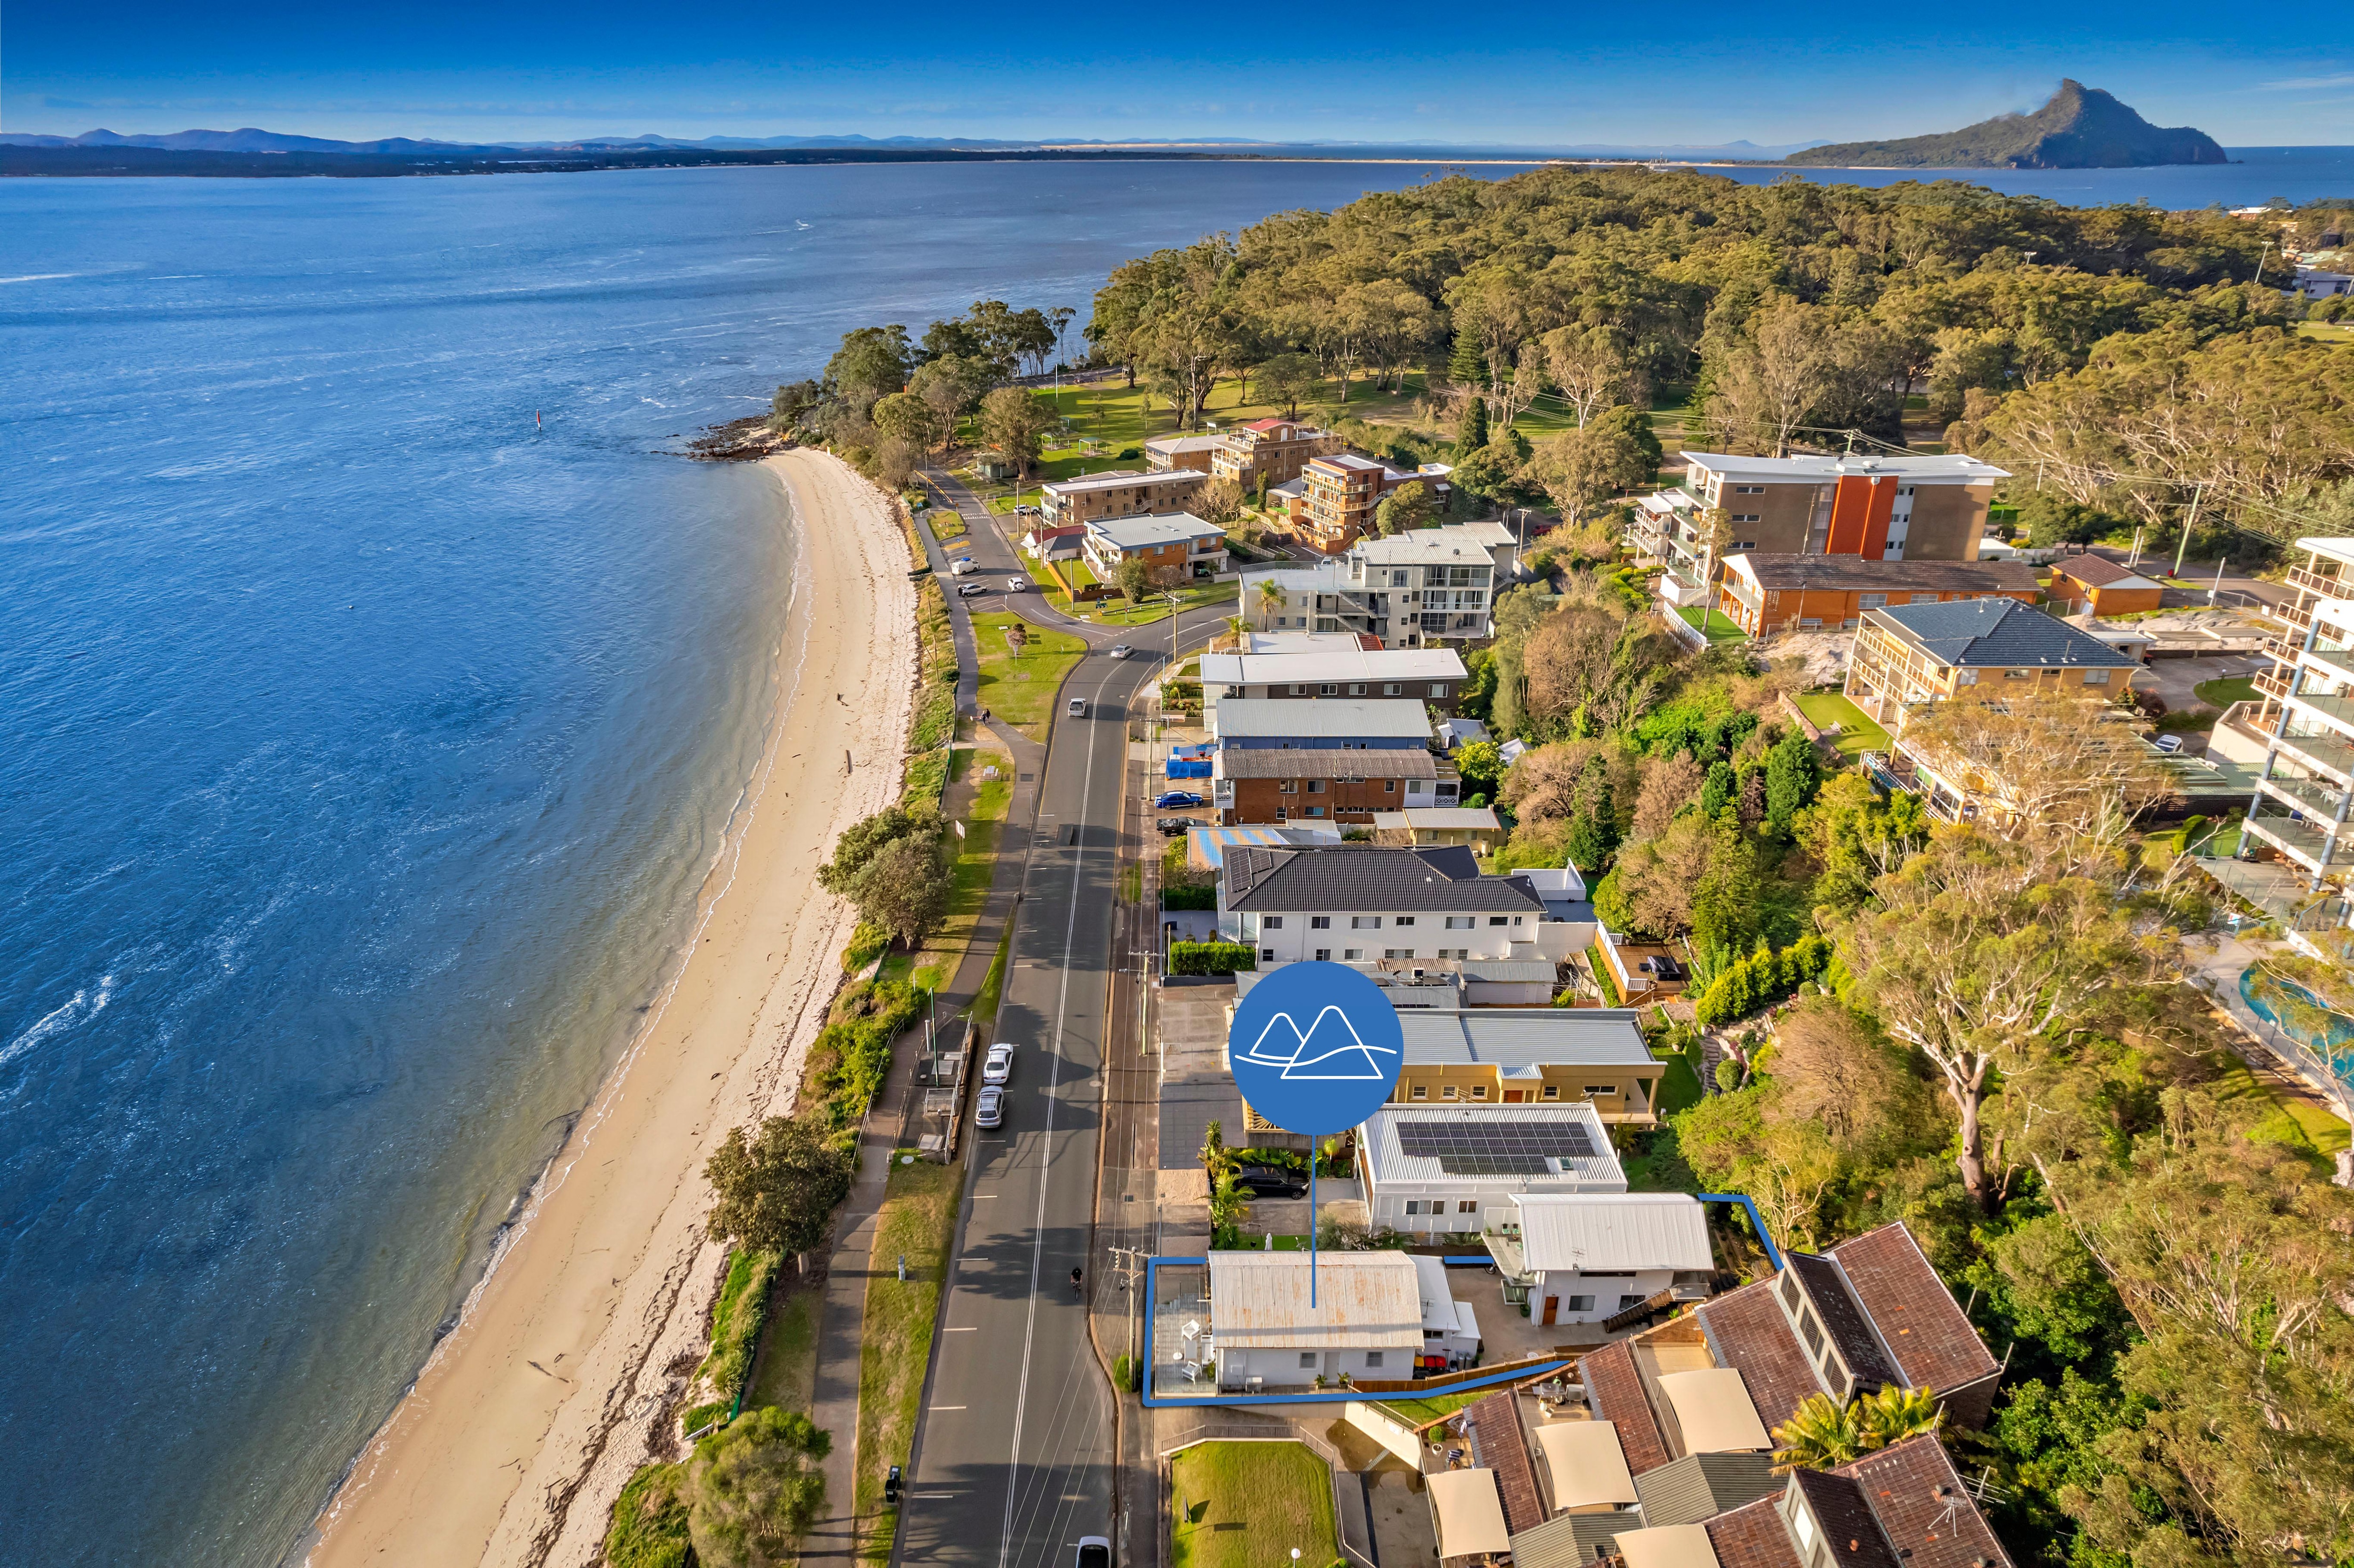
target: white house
<point>1367,1320</point>
<point>1581,1258</point>
<point>1350,669</point>
<point>1358,905</point>
<point>1409,589</point>
<point>2314,283</point>
<point>1171,543</point>
<point>1450,1332</point>
<point>1455,1170</point>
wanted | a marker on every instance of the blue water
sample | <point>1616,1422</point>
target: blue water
<point>366,746</point>
<point>2335,1045</point>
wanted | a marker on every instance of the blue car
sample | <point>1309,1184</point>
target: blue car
<point>1178,797</point>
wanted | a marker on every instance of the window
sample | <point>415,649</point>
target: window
<point>1316,785</point>
<point>1315,810</point>
<point>1391,690</point>
<point>1595,1091</point>
<point>1552,1091</point>
<point>1747,517</point>
<point>1438,688</point>
<point>1401,920</point>
<point>1373,1360</point>
<point>1298,690</point>
<point>1626,1301</point>
<point>1422,1091</point>
<point>1288,787</point>
<point>1495,919</point>
<point>1351,955</point>
<point>1272,922</point>
<point>1748,490</point>
<point>2018,675</point>
<point>1356,688</point>
<point>1461,922</point>
<point>1397,952</point>
<point>1389,786</point>
<point>1266,955</point>
<point>1478,1091</point>
<point>1414,1205</point>
<point>1328,690</point>
<point>1323,954</point>
<point>1308,1358</point>
<point>1581,1303</point>
<point>1364,922</point>
<point>1446,1091</point>
<point>1467,1205</point>
<point>1966,677</point>
<point>1453,953</point>
<point>1871,600</point>
<point>2096,677</point>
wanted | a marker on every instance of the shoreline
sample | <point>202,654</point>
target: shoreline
<point>556,1384</point>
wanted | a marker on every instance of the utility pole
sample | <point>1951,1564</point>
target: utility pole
<point>2213,592</point>
<point>1128,1264</point>
<point>2197,494</point>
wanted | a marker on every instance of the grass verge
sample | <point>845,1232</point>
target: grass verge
<point>2231,689</point>
<point>918,1221</point>
<point>1245,1505</point>
<point>1420,1412</point>
<point>1018,686</point>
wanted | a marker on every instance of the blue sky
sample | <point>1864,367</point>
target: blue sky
<point>1701,72</point>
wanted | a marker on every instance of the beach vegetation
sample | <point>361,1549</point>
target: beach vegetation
<point>736,1319</point>
<point>754,1486</point>
<point>906,416</point>
<point>775,1187</point>
<point>649,1528</point>
<point>903,888</point>
<point>871,364</point>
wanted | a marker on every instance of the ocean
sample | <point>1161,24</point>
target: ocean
<point>378,685</point>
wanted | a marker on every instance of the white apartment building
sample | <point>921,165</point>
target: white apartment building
<point>1457,1169</point>
<point>1356,904</point>
<point>1425,586</point>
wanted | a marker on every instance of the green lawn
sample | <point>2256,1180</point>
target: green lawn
<point>786,1371</point>
<point>1119,612</point>
<point>2297,1123</point>
<point>1020,687</point>
<point>1422,1411</point>
<point>945,522</point>
<point>1679,1086</point>
<point>918,1221</point>
<point>1250,1505</point>
<point>1717,626</point>
<point>2222,694</point>
<point>1857,734</point>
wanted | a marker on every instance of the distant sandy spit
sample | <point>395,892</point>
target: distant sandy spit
<point>558,1382</point>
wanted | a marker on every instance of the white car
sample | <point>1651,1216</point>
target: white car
<point>1017,585</point>
<point>961,567</point>
<point>1078,707</point>
<point>972,590</point>
<point>1095,1552</point>
<point>1121,649</point>
<point>989,1110</point>
<point>998,1065</point>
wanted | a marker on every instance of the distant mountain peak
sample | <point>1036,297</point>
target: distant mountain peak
<point>2078,127</point>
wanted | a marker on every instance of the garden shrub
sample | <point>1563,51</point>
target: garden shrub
<point>1211,957</point>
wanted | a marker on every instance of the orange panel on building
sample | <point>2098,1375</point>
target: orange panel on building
<point>1860,510</point>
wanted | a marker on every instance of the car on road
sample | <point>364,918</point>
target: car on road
<point>962,567</point>
<point>972,590</point>
<point>1176,798</point>
<point>1078,708</point>
<point>1095,1552</point>
<point>1017,585</point>
<point>1260,1182</point>
<point>1172,826</point>
<point>989,1110</point>
<point>1025,510</point>
<point>998,1065</point>
<point>2168,744</point>
<point>1121,649</point>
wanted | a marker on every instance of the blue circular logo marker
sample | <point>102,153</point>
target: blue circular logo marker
<point>1315,1048</point>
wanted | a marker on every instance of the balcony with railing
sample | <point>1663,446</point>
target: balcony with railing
<point>2316,748</point>
<point>2336,707</point>
<point>2329,581</point>
<point>2314,797</point>
<point>2305,841</point>
<point>2332,664</point>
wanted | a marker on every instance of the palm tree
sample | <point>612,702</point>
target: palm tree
<point>1895,1413</point>
<point>1270,596</point>
<point>1819,1435</point>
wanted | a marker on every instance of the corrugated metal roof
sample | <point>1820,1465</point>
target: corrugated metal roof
<point>1335,717</point>
<point>1365,1300</point>
<point>1390,1162</point>
<point>1526,1038</point>
<point>1159,528</point>
<point>1630,1230</point>
<point>1430,818</point>
<point>1335,665</point>
<point>1297,762</point>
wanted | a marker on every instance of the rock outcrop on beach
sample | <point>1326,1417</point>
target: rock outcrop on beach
<point>747,440</point>
<point>2080,128</point>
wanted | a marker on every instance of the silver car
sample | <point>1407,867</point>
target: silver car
<point>989,1110</point>
<point>996,1067</point>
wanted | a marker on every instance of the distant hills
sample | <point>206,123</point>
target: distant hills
<point>2080,128</point>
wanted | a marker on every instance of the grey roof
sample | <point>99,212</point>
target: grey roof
<point>1299,762</point>
<point>1124,478</point>
<point>1702,1485</point>
<point>1159,528</point>
<point>1386,1158</point>
<point>1520,1040</point>
<point>1335,663</point>
<point>1451,544</point>
<point>1996,634</point>
<point>1439,879</point>
<point>1386,717</point>
<point>2099,571</point>
<point>1949,468</point>
<point>1843,1317</point>
<point>1572,1540</point>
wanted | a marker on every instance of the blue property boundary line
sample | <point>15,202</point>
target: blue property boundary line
<point>1764,1237</point>
<point>1152,1266</point>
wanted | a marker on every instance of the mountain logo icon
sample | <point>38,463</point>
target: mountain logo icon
<point>1328,1050</point>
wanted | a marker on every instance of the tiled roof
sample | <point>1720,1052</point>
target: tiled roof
<point>1501,1449</point>
<point>1849,1526</point>
<point>1440,879</point>
<point>2099,571</point>
<point>1294,763</point>
<point>1934,1343</point>
<point>1915,1492</point>
<point>1752,1536</point>
<point>1746,1329</point>
<point>1615,1391</point>
<point>1996,634</point>
<point>1853,574</point>
<point>1842,1317</point>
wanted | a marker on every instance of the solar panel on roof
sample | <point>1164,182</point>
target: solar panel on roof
<point>1527,1145</point>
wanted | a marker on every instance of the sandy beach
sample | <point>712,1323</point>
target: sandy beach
<point>528,1418</point>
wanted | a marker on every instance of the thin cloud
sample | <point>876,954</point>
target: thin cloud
<point>2304,83</point>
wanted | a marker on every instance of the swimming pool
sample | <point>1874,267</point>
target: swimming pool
<point>2337,1049</point>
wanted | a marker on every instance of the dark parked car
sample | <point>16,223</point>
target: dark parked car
<point>1261,1183</point>
<point>1176,798</point>
<point>1172,826</point>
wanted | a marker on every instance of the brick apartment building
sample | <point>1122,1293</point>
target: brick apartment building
<point>1120,492</point>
